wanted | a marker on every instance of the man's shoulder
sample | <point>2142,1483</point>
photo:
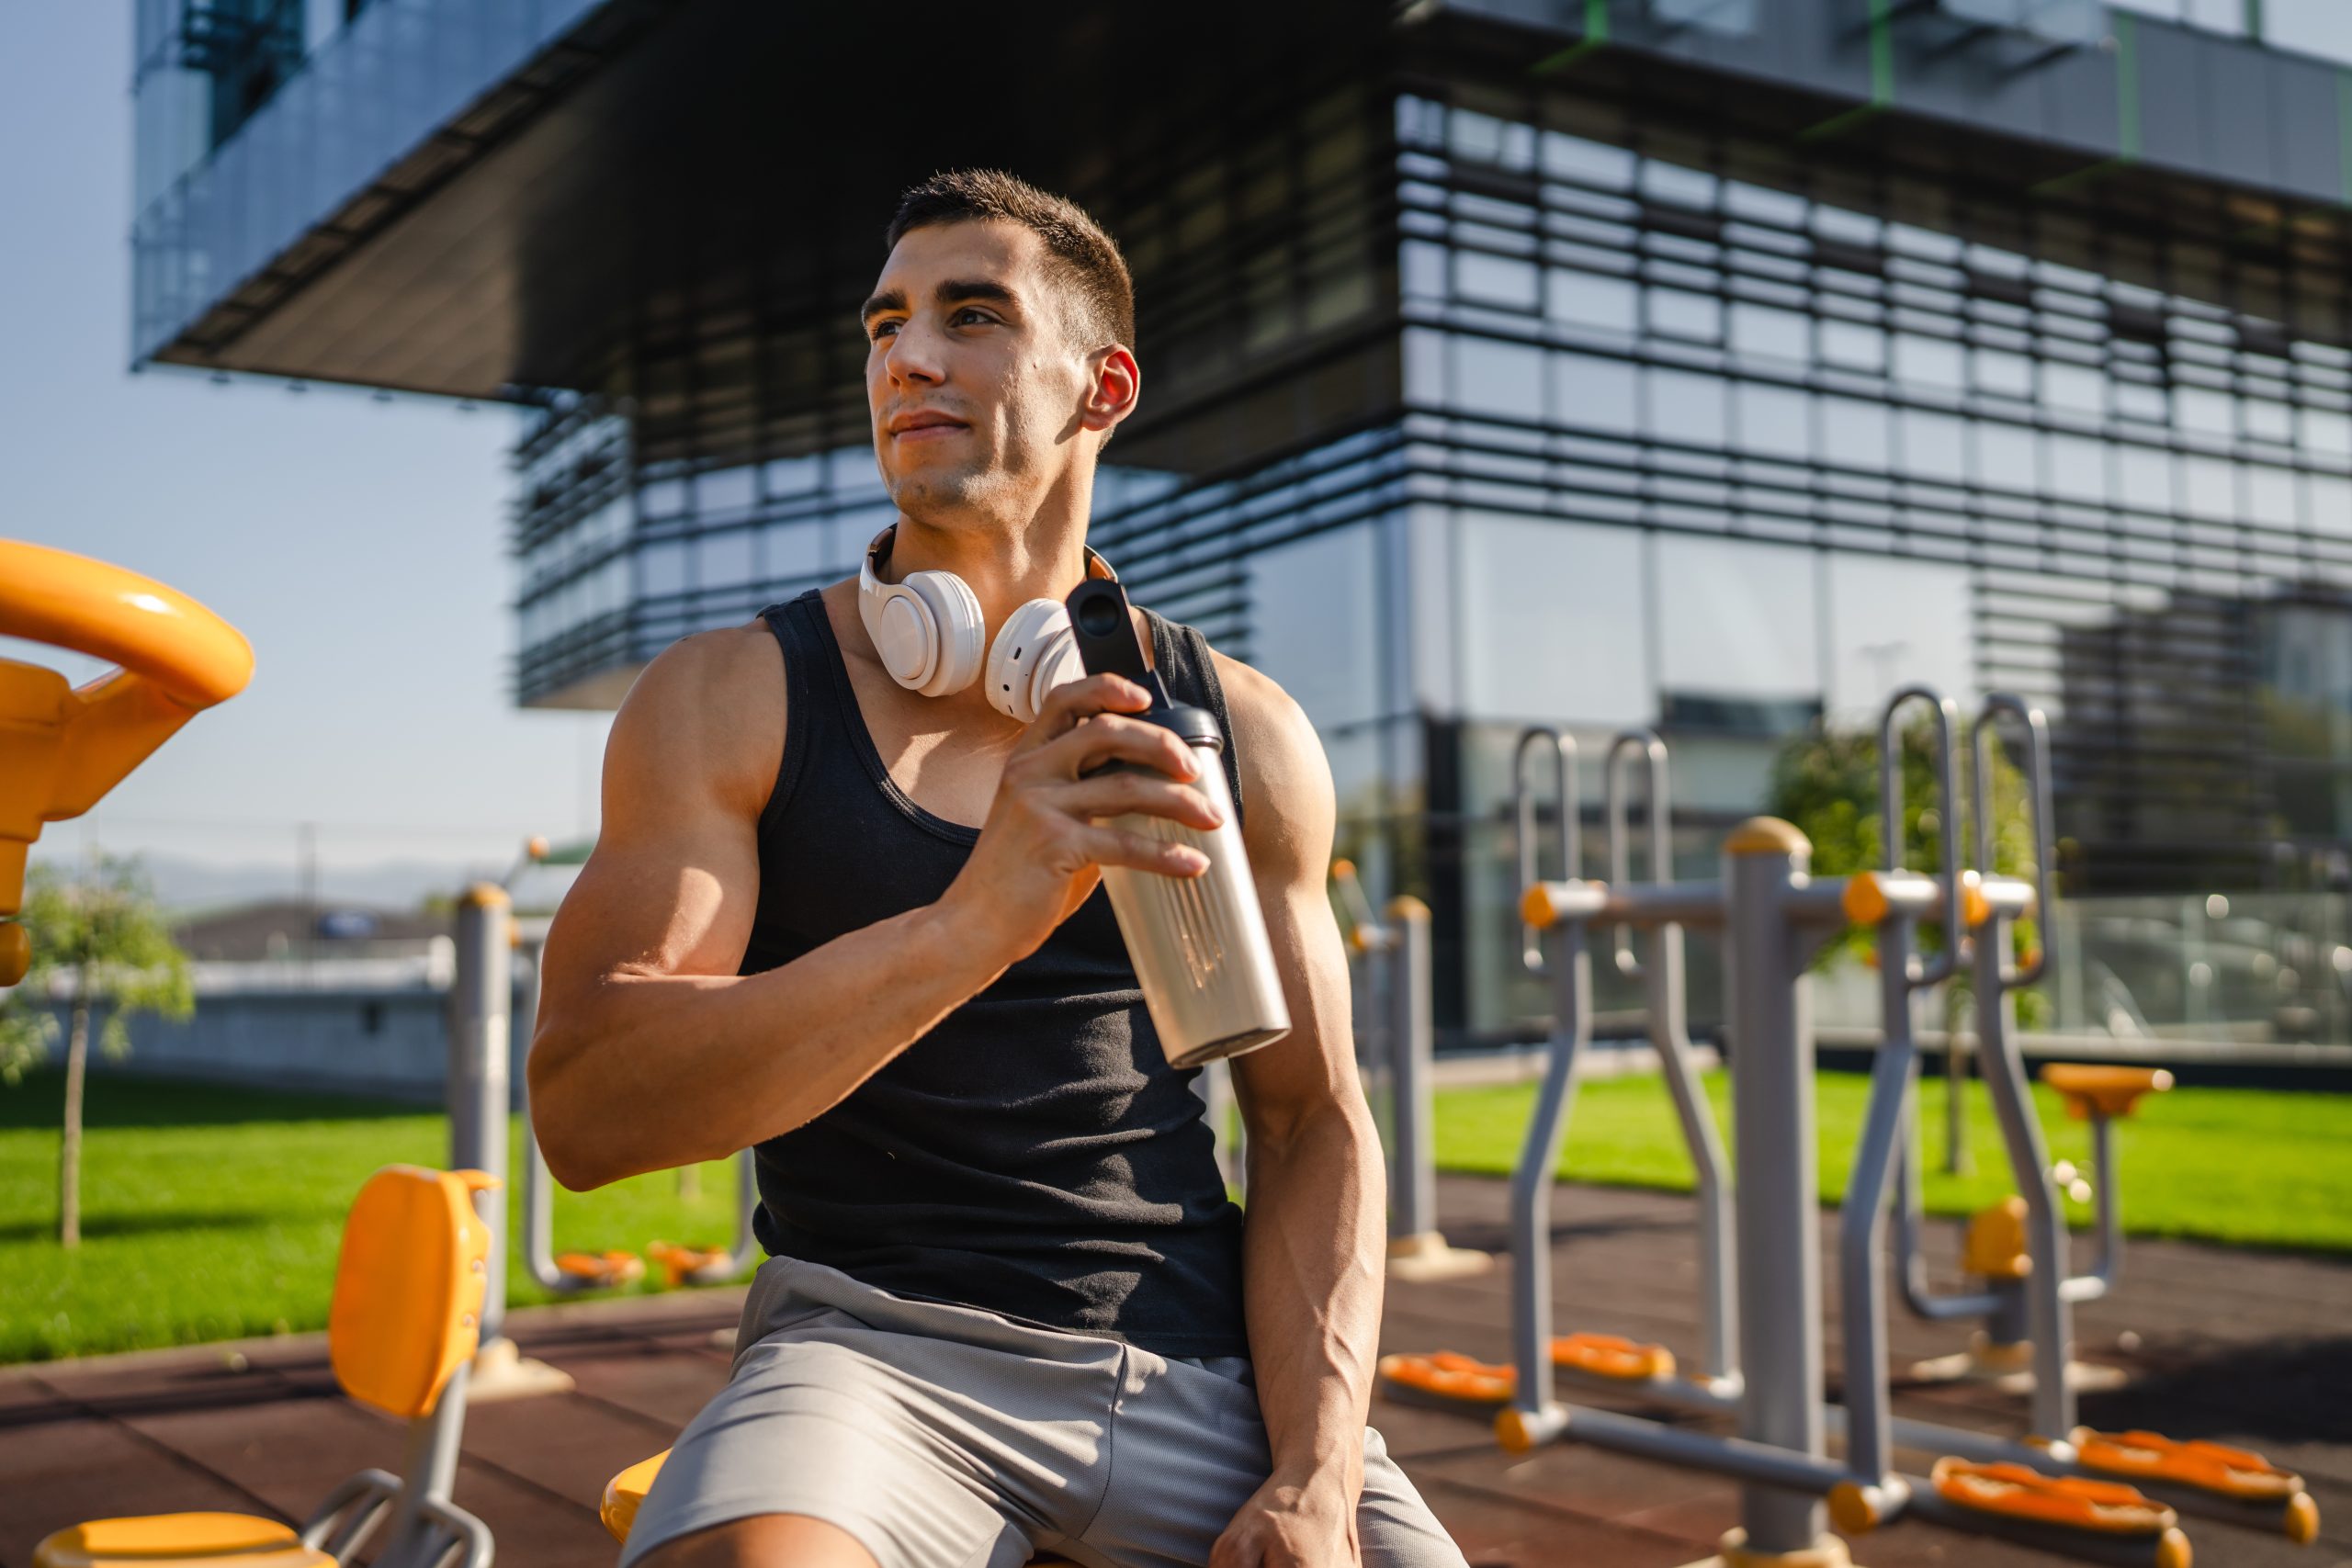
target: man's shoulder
<point>722,669</point>
<point>712,703</point>
<point>1284,775</point>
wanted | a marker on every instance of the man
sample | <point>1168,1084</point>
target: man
<point>1010,1309</point>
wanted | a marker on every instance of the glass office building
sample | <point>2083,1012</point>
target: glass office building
<point>1715,365</point>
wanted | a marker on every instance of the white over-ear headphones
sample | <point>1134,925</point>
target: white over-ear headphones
<point>928,630</point>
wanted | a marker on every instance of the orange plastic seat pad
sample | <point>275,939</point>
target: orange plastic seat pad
<point>1613,1356</point>
<point>1449,1374</point>
<point>624,1493</point>
<point>2208,1467</point>
<point>217,1540</point>
<point>2069,1502</point>
<point>2096,1086</point>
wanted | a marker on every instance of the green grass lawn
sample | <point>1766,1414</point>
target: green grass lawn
<point>2247,1167</point>
<point>214,1214</point>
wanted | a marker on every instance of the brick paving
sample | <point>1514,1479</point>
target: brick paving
<point>2245,1347</point>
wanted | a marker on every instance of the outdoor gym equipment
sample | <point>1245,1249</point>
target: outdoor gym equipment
<point>2052,1490</point>
<point>409,1291</point>
<point>2019,1248</point>
<point>64,747</point>
<point>1390,962</point>
<point>1611,1360</point>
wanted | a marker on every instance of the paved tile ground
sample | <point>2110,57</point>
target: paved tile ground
<point>2246,1346</point>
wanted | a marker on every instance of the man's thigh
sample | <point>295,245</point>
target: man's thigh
<point>834,1437</point>
<point>767,1539</point>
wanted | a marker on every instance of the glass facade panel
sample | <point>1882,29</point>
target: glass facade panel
<point>1736,620</point>
<point>1315,612</point>
<point>1522,659</point>
<point>1889,622</point>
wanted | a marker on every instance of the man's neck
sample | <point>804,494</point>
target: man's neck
<point>1005,563</point>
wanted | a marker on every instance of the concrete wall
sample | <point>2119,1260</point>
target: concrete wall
<point>381,1041</point>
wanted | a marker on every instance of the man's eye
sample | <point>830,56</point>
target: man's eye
<point>974,312</point>
<point>880,329</point>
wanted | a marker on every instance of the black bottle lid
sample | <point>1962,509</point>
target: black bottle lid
<point>1105,630</point>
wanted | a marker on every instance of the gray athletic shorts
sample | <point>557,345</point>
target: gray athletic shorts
<point>945,1436</point>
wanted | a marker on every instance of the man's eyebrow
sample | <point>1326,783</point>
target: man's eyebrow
<point>960,288</point>
<point>887,300</point>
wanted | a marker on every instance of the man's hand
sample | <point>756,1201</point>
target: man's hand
<point>1041,851</point>
<point>1288,1524</point>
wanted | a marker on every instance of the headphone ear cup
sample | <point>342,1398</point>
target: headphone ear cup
<point>956,611</point>
<point>1034,652</point>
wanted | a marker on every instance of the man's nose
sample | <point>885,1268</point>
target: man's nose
<point>914,355</point>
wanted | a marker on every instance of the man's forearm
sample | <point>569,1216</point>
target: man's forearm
<point>1312,1263</point>
<point>650,1071</point>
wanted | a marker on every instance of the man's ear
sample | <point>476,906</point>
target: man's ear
<point>1111,394</point>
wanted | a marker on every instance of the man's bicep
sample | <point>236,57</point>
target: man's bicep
<point>673,882</point>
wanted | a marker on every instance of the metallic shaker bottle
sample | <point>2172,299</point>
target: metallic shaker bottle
<point>1198,944</point>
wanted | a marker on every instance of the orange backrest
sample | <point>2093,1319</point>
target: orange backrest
<point>409,1286</point>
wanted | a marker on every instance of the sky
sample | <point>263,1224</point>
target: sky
<point>358,544</point>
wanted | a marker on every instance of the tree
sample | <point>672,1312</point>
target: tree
<point>104,932</point>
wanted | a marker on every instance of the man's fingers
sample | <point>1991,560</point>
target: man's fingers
<point>1116,846</point>
<point>1115,738</point>
<point>1116,794</point>
<point>1065,704</point>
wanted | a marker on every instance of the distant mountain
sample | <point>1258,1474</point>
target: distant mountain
<point>187,885</point>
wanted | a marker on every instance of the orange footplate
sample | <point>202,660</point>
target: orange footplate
<point>599,1270</point>
<point>1449,1374</point>
<point>678,1263</point>
<point>2067,1501</point>
<point>1609,1356</point>
<point>2208,1467</point>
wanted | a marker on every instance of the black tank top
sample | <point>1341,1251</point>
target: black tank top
<point>1034,1155</point>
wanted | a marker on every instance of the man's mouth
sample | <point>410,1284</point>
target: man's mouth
<point>925,427</point>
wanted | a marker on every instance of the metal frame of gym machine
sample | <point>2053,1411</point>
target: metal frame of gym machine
<point>1775,917</point>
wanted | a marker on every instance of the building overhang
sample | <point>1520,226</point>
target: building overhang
<point>641,171</point>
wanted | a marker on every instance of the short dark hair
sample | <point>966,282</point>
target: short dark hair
<point>1087,257</point>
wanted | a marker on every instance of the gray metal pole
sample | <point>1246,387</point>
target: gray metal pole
<point>1532,1182</point>
<point>1777,1225</point>
<point>538,1183</point>
<point>2049,1319</point>
<point>1412,1186</point>
<point>482,1001</point>
<point>1861,1283</point>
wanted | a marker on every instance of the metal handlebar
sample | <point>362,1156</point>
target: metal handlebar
<point>2037,772</point>
<point>90,606</point>
<point>1890,806</point>
<point>1564,790</point>
<point>1620,856</point>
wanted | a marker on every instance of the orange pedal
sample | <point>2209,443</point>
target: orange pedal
<point>677,1262</point>
<point>1611,1356</point>
<point>2066,1501</point>
<point>599,1270</point>
<point>1450,1375</point>
<point>2208,1467</point>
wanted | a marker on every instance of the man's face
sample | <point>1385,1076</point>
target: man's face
<point>973,382</point>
